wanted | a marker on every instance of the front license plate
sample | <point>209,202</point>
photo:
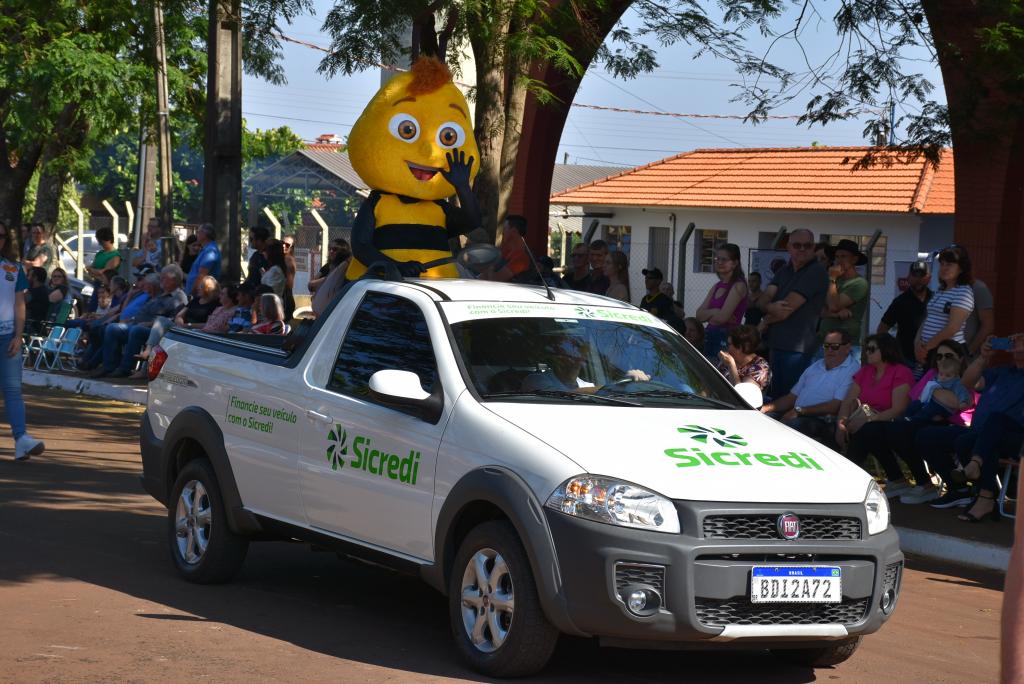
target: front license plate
<point>796,584</point>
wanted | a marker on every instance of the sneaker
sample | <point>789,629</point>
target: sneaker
<point>919,495</point>
<point>953,498</point>
<point>27,446</point>
<point>896,488</point>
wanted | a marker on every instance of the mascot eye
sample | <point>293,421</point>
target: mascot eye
<point>404,127</point>
<point>450,135</point>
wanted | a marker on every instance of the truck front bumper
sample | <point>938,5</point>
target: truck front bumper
<point>703,576</point>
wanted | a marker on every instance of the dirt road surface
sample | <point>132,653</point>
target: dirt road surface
<point>88,594</point>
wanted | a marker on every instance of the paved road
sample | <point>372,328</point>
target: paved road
<point>87,594</point>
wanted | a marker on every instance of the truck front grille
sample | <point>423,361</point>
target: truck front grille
<point>812,527</point>
<point>740,611</point>
<point>627,574</point>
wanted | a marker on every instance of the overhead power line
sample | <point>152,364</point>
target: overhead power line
<point>600,108</point>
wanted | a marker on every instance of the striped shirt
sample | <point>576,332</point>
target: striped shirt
<point>939,308</point>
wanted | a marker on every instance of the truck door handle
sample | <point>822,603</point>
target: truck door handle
<point>319,417</point>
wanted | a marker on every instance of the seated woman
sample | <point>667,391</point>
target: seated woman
<point>58,286</point>
<point>879,394</point>
<point>271,316</point>
<point>896,438</point>
<point>220,319</point>
<point>200,306</point>
<point>739,362</point>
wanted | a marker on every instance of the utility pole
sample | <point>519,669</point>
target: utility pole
<point>145,195</point>
<point>163,128</point>
<point>222,173</point>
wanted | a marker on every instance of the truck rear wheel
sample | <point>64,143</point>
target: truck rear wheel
<point>819,657</point>
<point>203,547</point>
<point>497,620</point>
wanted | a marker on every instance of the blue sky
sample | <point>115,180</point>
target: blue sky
<point>311,104</point>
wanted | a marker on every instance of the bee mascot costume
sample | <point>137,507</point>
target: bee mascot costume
<point>413,146</point>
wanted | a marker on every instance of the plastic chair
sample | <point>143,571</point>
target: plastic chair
<point>66,350</point>
<point>48,348</point>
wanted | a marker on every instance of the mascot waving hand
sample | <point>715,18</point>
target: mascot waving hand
<point>413,146</point>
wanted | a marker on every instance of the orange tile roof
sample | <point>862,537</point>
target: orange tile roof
<point>802,178</point>
<point>323,147</point>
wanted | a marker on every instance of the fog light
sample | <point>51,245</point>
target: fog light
<point>637,601</point>
<point>888,601</point>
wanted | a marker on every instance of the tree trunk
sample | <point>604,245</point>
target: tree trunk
<point>987,125</point>
<point>491,85</point>
<point>51,186</point>
<point>13,182</point>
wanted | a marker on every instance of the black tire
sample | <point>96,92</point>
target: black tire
<point>531,639</point>
<point>225,550</point>
<point>825,656</point>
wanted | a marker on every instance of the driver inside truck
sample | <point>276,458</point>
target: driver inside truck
<point>565,354</point>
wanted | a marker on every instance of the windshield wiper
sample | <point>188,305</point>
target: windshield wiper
<point>563,394</point>
<point>677,394</point>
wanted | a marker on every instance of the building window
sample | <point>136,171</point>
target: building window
<point>708,242</point>
<point>618,238</point>
<point>877,255</point>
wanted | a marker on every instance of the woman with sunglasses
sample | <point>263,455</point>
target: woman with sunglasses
<point>879,394</point>
<point>58,286</point>
<point>726,301</point>
<point>12,324</point>
<point>895,439</point>
<point>949,308</point>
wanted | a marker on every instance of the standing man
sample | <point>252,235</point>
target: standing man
<point>40,252</point>
<point>258,237</point>
<point>207,263</point>
<point>908,310</point>
<point>577,276</point>
<point>599,282</point>
<point>847,295</point>
<point>792,304</point>
<point>656,301</point>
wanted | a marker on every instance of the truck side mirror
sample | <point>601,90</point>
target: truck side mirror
<point>401,390</point>
<point>750,393</point>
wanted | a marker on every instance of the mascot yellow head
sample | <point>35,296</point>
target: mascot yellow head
<point>398,144</point>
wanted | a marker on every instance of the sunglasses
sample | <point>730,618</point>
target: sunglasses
<point>801,245</point>
<point>832,346</point>
<point>947,355</point>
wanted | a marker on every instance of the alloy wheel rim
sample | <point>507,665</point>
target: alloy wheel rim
<point>488,600</point>
<point>193,519</point>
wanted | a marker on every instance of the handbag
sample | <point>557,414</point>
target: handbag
<point>860,415</point>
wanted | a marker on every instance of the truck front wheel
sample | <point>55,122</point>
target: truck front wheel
<point>819,657</point>
<point>496,616</point>
<point>203,547</point>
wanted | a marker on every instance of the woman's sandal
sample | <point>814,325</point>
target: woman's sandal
<point>992,515</point>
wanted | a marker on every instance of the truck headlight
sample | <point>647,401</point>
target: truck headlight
<point>876,509</point>
<point>614,502</point>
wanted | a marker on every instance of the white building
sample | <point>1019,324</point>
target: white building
<point>745,196</point>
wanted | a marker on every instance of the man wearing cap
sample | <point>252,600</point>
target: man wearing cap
<point>847,295</point>
<point>656,301</point>
<point>908,310</point>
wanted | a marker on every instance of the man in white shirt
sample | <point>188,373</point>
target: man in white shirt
<point>811,406</point>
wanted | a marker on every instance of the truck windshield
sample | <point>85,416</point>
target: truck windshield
<point>572,360</point>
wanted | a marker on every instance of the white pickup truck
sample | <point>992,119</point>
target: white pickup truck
<point>553,464</point>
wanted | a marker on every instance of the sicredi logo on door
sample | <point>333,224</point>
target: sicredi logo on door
<point>372,460</point>
<point>691,457</point>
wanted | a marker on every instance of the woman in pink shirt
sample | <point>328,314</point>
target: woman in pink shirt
<point>726,302</point>
<point>879,393</point>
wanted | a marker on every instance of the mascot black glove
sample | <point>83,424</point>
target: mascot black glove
<point>459,169</point>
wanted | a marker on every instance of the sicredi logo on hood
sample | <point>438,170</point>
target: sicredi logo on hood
<point>690,457</point>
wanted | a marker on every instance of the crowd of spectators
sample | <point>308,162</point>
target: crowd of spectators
<point>919,404</point>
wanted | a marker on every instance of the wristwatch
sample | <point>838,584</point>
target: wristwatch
<point>798,410</point>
